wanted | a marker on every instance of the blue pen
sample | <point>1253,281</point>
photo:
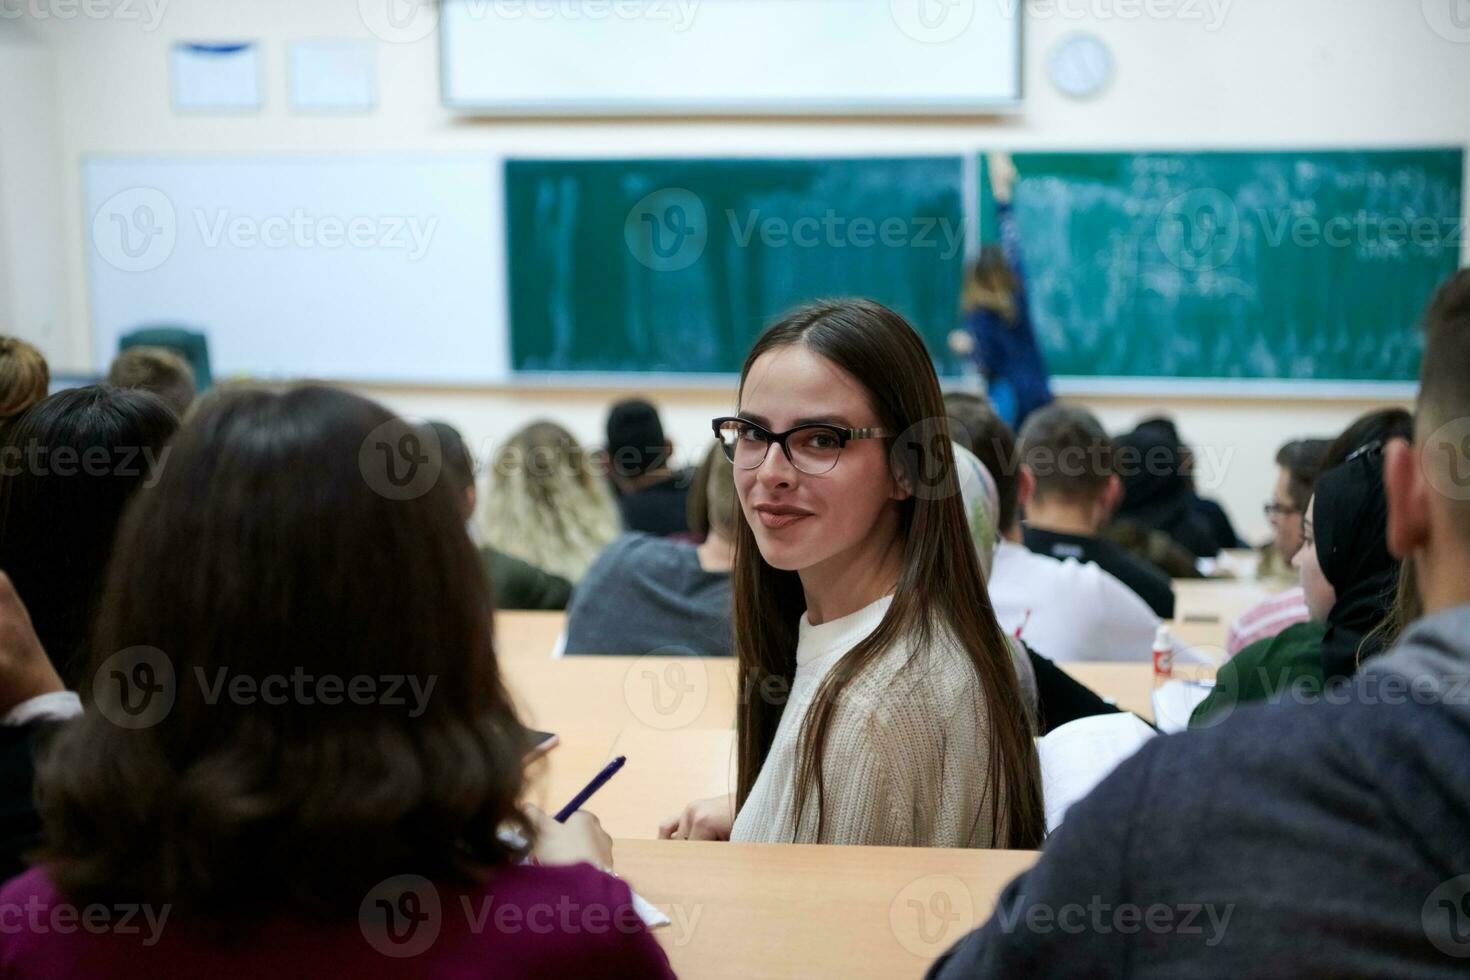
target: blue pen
<point>608,771</point>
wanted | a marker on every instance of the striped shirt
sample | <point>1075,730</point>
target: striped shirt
<point>1266,619</point>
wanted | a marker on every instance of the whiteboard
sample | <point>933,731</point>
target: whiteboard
<point>730,56</point>
<point>354,268</point>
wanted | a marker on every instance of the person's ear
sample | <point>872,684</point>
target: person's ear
<point>1025,487</point>
<point>471,500</point>
<point>903,486</point>
<point>1112,495</point>
<point>1408,493</point>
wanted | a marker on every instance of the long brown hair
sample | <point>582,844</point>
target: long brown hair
<point>939,585</point>
<point>274,543</point>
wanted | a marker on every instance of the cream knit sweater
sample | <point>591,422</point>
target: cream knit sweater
<point>905,761</point>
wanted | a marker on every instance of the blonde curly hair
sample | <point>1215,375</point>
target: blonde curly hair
<point>547,503</point>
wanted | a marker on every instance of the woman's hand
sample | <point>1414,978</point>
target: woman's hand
<point>709,819</point>
<point>25,670</point>
<point>580,839</point>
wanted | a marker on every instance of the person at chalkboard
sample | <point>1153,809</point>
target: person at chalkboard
<point>997,318</point>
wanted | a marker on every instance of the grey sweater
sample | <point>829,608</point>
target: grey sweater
<point>1326,839</point>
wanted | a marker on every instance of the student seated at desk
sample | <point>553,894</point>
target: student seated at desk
<point>514,584</point>
<point>1075,489</point>
<point>1352,587</point>
<point>1065,609</point>
<point>1298,464</point>
<point>1320,839</point>
<point>321,757</point>
<point>547,504</point>
<point>651,497</point>
<point>68,468</point>
<point>647,594</point>
<point>1158,490</point>
<point>882,704</point>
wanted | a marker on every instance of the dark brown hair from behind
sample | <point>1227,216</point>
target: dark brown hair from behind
<point>1068,451</point>
<point>939,585</point>
<point>270,549</point>
<point>1302,461</point>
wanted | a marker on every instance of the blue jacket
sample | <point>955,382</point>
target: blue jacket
<point>1007,353</point>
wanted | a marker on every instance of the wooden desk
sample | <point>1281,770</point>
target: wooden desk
<point>1214,600</point>
<point>665,771</point>
<point>804,911</point>
<point>1130,686</point>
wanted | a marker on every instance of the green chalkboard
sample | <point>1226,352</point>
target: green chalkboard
<point>1270,265</point>
<point>677,265</point>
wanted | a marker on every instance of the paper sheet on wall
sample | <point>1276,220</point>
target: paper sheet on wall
<point>333,76</point>
<point>215,76</point>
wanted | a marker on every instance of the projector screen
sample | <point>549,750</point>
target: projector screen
<point>712,57</point>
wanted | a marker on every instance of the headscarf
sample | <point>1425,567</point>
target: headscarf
<point>1350,526</point>
<point>982,509</point>
<point>982,505</point>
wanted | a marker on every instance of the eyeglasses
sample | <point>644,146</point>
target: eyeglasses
<point>813,448</point>
<point>1274,510</point>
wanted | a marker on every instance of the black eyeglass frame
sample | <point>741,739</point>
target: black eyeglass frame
<point>843,433</point>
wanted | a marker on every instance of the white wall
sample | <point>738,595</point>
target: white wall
<point>33,286</point>
<point>1207,74</point>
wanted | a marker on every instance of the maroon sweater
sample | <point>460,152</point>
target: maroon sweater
<point>525,922</point>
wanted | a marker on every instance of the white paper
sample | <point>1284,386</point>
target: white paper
<point>216,76</point>
<point>1175,702</point>
<point>333,75</point>
<point>1080,754</point>
<point>648,912</point>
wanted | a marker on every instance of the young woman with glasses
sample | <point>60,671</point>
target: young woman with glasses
<point>879,703</point>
